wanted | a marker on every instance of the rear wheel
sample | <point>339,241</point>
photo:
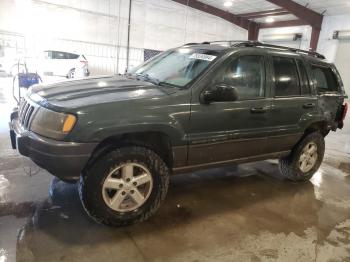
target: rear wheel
<point>124,186</point>
<point>71,73</point>
<point>305,158</point>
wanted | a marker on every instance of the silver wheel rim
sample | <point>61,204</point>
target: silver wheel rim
<point>308,157</point>
<point>127,187</point>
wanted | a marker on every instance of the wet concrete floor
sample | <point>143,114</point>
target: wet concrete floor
<point>244,213</point>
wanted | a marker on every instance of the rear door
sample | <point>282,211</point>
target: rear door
<point>293,101</point>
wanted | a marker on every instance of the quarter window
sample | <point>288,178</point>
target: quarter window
<point>324,79</point>
<point>286,77</point>
<point>246,74</point>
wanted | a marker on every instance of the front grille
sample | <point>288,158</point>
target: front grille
<point>25,113</point>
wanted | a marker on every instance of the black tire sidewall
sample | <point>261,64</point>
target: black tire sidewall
<point>91,186</point>
<point>291,163</point>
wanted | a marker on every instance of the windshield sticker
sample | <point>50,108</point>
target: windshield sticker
<point>203,57</point>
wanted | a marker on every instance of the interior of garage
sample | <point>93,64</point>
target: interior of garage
<point>237,213</point>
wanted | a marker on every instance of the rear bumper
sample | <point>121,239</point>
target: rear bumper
<point>64,160</point>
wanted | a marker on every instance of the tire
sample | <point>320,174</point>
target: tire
<point>291,166</point>
<point>93,194</point>
<point>71,73</point>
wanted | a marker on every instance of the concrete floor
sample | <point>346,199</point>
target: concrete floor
<point>233,214</point>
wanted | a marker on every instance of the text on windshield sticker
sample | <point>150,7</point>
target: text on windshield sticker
<point>203,57</point>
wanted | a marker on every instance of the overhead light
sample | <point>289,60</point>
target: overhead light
<point>228,3</point>
<point>270,20</point>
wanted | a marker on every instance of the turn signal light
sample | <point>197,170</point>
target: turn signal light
<point>69,123</point>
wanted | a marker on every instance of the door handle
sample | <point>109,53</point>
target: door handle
<point>258,110</point>
<point>310,105</point>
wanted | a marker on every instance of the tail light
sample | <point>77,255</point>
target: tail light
<point>345,110</point>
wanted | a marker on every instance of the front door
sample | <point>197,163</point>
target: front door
<point>227,130</point>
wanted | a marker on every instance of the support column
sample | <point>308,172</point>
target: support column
<point>315,35</point>
<point>253,32</point>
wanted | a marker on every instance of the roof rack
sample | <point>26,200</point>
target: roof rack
<point>295,50</point>
<point>229,42</point>
<point>238,43</point>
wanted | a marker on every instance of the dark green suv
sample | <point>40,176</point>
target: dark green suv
<point>189,108</point>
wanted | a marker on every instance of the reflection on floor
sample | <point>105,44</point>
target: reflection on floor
<point>244,213</point>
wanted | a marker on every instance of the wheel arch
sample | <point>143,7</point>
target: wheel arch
<point>158,142</point>
<point>320,126</point>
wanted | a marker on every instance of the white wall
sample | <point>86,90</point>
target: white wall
<point>99,28</point>
<point>327,45</point>
<point>162,24</point>
<point>304,30</point>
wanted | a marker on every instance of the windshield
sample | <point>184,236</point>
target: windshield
<point>175,67</point>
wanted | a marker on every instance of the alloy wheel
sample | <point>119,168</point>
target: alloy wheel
<point>127,187</point>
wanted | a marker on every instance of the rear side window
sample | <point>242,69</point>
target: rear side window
<point>71,56</point>
<point>57,55</point>
<point>286,77</point>
<point>304,80</point>
<point>63,55</point>
<point>324,79</point>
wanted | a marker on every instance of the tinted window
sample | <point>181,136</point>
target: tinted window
<point>286,77</point>
<point>57,55</point>
<point>246,73</point>
<point>324,79</point>
<point>304,81</point>
<point>63,55</point>
<point>71,56</point>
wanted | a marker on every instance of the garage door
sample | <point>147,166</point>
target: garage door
<point>342,61</point>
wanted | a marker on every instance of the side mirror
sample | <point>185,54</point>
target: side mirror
<point>220,93</point>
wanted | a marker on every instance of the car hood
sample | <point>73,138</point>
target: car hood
<point>78,93</point>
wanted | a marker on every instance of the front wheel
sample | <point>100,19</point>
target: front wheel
<point>305,158</point>
<point>125,186</point>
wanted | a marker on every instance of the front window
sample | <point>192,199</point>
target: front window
<point>245,73</point>
<point>176,67</point>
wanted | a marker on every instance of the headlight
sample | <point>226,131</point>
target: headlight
<point>52,124</point>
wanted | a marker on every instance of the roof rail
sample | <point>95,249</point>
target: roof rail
<point>238,43</point>
<point>295,50</point>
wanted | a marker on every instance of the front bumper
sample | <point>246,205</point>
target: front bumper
<point>64,160</point>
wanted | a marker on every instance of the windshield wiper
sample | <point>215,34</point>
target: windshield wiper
<point>153,80</point>
<point>147,77</point>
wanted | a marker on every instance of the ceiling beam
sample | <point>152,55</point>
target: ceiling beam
<point>234,19</point>
<point>274,12</point>
<point>309,16</point>
<point>283,24</point>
